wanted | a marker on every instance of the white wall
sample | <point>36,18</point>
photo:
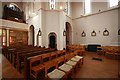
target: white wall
<point>96,6</point>
<point>35,21</point>
<point>77,9</point>
<point>52,25</point>
<point>48,21</point>
<point>14,25</point>
<point>98,23</point>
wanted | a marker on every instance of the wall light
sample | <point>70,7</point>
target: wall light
<point>93,33</point>
<point>64,33</point>
<point>39,32</point>
<point>105,32</point>
<point>61,7</point>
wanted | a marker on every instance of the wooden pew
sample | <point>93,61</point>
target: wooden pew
<point>36,67</point>
<point>60,63</point>
<point>64,67</point>
<point>19,56</point>
<point>45,58</point>
<point>27,60</point>
<point>51,71</point>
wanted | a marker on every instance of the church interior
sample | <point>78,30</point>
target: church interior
<point>59,39</point>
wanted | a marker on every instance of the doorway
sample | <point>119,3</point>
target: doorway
<point>52,40</point>
<point>68,33</point>
<point>32,35</point>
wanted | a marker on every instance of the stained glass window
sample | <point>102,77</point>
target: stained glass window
<point>52,4</point>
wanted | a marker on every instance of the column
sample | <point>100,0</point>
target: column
<point>8,35</point>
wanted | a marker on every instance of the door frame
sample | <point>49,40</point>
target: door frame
<point>52,34</point>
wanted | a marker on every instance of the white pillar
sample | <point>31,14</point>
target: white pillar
<point>39,42</point>
<point>8,35</point>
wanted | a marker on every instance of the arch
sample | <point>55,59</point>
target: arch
<point>12,12</point>
<point>52,40</point>
<point>32,35</point>
<point>14,7</point>
<point>68,33</point>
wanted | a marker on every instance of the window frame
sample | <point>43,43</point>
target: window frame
<point>85,8</point>
<point>5,37</point>
<point>111,6</point>
<point>50,2</point>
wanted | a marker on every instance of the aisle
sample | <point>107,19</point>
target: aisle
<point>8,71</point>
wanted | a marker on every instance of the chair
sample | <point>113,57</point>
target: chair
<point>64,67</point>
<point>79,52</point>
<point>53,55</point>
<point>36,68</point>
<point>69,62</point>
<point>52,72</point>
<point>59,54</point>
<point>45,57</point>
<point>81,58</point>
<point>100,50</point>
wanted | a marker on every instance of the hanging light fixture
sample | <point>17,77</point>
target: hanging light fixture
<point>39,32</point>
<point>105,32</point>
<point>83,34</point>
<point>93,33</point>
<point>64,33</point>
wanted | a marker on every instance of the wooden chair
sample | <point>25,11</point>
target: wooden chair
<point>53,55</point>
<point>60,61</point>
<point>68,60</point>
<point>111,52</point>
<point>79,57</point>
<point>36,68</point>
<point>100,50</point>
<point>79,52</point>
<point>52,72</point>
<point>67,57</point>
<point>59,53</point>
<point>45,57</point>
<point>63,52</point>
<point>64,67</point>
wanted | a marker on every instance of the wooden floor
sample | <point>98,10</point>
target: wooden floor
<point>107,68</point>
<point>8,71</point>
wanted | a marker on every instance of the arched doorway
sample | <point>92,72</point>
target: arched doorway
<point>68,33</point>
<point>52,40</point>
<point>32,35</point>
